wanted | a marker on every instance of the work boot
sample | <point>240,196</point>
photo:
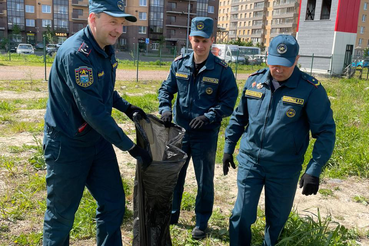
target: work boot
<point>198,234</point>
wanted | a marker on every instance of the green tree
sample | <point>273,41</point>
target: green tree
<point>50,35</point>
<point>366,50</point>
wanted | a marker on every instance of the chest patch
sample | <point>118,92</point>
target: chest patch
<point>293,100</point>
<point>210,80</point>
<point>84,76</point>
<point>182,75</point>
<point>209,91</point>
<point>291,113</point>
<point>254,94</point>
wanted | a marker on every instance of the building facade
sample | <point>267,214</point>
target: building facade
<point>362,40</point>
<point>159,22</point>
<point>257,20</point>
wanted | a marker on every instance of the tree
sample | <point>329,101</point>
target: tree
<point>366,52</point>
<point>49,34</point>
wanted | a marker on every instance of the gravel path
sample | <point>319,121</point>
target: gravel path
<point>37,73</point>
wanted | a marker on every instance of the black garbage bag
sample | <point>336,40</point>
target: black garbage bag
<point>154,186</point>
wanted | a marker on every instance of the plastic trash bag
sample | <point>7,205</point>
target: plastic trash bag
<point>153,189</point>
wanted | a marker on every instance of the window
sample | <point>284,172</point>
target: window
<point>30,22</point>
<point>143,2</point>
<point>123,41</point>
<point>365,6</point>
<point>211,9</point>
<point>30,9</point>
<point>46,8</point>
<point>141,30</point>
<point>310,10</point>
<point>46,23</point>
<point>142,15</point>
<point>172,19</point>
<point>363,19</point>
<point>362,30</point>
<point>124,29</point>
<point>326,9</point>
<point>360,41</point>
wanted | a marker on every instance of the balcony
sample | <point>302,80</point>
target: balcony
<point>83,3</point>
<point>285,5</point>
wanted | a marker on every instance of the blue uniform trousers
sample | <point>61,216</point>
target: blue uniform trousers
<point>70,167</point>
<point>201,146</point>
<point>279,182</point>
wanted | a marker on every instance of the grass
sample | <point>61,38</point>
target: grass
<point>22,169</point>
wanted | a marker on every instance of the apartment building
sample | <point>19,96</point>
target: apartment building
<point>362,39</point>
<point>27,20</point>
<point>159,22</point>
<point>257,20</point>
<point>164,22</point>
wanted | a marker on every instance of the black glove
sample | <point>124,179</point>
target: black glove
<point>227,161</point>
<point>310,184</point>
<point>141,155</point>
<point>199,122</point>
<point>166,117</point>
<point>134,109</point>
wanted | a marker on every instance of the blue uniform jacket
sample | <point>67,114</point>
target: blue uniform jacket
<point>275,126</point>
<point>213,92</point>
<point>81,93</point>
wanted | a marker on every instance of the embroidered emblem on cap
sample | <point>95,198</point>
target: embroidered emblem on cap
<point>209,90</point>
<point>84,76</point>
<point>281,48</point>
<point>291,113</point>
<point>121,5</point>
<point>200,25</point>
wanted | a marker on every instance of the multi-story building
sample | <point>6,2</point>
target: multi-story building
<point>362,39</point>
<point>164,22</point>
<point>159,22</point>
<point>27,20</point>
<point>257,20</point>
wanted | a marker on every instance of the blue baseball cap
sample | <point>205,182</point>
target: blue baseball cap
<point>202,26</point>
<point>283,51</point>
<point>112,8</point>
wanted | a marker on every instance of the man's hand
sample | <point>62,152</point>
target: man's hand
<point>141,155</point>
<point>166,117</point>
<point>199,122</point>
<point>134,109</point>
<point>227,161</point>
<point>309,184</point>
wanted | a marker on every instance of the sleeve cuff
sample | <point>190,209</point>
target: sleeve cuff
<point>314,168</point>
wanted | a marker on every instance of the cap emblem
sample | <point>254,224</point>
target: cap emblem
<point>281,48</point>
<point>121,5</point>
<point>200,25</point>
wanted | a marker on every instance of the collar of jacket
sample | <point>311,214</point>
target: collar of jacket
<point>291,82</point>
<point>209,65</point>
<point>109,50</point>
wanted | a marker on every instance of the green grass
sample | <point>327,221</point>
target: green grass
<point>25,198</point>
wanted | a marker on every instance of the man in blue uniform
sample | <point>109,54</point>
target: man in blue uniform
<point>278,108</point>
<point>80,131</point>
<point>206,92</point>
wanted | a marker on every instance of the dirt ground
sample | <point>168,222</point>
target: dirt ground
<point>28,72</point>
<point>340,204</point>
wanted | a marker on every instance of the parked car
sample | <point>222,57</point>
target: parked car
<point>361,63</point>
<point>39,46</point>
<point>25,49</point>
<point>253,60</point>
<point>51,49</point>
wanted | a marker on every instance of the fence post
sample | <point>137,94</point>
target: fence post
<point>134,54</point>
<point>44,39</point>
<point>10,56</point>
<point>138,55</point>
<point>160,55</point>
<point>330,73</point>
<point>312,62</point>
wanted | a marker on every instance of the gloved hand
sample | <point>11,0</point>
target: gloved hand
<point>133,109</point>
<point>227,161</point>
<point>310,184</point>
<point>199,122</point>
<point>141,155</point>
<point>166,117</point>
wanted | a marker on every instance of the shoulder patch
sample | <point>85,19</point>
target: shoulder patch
<point>260,71</point>
<point>84,49</point>
<point>84,76</point>
<point>221,62</point>
<point>179,57</point>
<point>311,79</point>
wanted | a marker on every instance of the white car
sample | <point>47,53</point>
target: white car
<point>25,49</point>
